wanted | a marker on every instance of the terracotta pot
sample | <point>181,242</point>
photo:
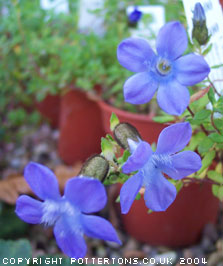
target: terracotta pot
<point>181,224</point>
<point>148,129</point>
<point>80,127</point>
<point>50,109</point>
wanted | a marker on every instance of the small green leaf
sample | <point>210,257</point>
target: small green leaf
<point>126,155</point>
<point>195,141</point>
<point>218,107</point>
<point>107,149</point>
<point>205,145</point>
<point>118,199</point>
<point>215,189</point>
<point>114,121</point>
<point>207,50</point>
<point>207,161</point>
<point>203,114</point>
<point>217,66</point>
<point>217,177</point>
<point>138,196</point>
<point>218,191</point>
<point>163,119</point>
<point>211,96</point>
<point>216,137</point>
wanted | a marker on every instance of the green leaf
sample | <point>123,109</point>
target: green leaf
<point>195,141</point>
<point>138,196</point>
<point>203,114</point>
<point>207,161</point>
<point>211,96</point>
<point>217,177</point>
<point>125,155</point>
<point>217,66</point>
<point>218,107</point>
<point>216,137</point>
<point>205,145</point>
<point>15,249</point>
<point>218,191</point>
<point>114,121</point>
<point>219,124</point>
<point>118,199</point>
<point>207,50</point>
<point>107,149</point>
<point>163,119</point>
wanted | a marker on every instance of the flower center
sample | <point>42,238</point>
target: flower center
<point>163,66</point>
<point>162,160</point>
<point>53,210</point>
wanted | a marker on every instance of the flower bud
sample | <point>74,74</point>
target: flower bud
<point>200,31</point>
<point>96,166</point>
<point>123,132</point>
<point>134,17</point>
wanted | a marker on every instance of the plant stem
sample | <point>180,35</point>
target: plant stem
<point>202,127</point>
<point>213,124</point>
<point>214,88</point>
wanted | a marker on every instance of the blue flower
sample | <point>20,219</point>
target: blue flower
<point>69,214</point>
<point>159,192</point>
<point>168,71</point>
<point>135,16</point>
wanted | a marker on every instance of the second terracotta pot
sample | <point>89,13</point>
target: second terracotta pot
<point>80,127</point>
<point>181,224</point>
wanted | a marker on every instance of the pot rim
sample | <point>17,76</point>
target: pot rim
<point>120,112</point>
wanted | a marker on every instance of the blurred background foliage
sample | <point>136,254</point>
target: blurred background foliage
<point>42,52</point>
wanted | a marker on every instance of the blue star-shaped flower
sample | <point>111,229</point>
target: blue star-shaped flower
<point>159,192</point>
<point>68,214</point>
<point>168,71</point>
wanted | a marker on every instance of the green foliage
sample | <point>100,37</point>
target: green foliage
<point>114,121</point>
<point>11,226</point>
<point>218,191</point>
<point>15,249</point>
<point>163,119</point>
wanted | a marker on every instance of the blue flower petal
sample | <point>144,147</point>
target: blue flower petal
<point>70,241</point>
<point>140,88</point>
<point>29,209</point>
<point>174,138</point>
<point>139,157</point>
<point>98,227</point>
<point>173,98</point>
<point>191,69</point>
<point>159,193</point>
<point>183,164</point>
<point>42,181</point>
<point>129,191</point>
<point>86,193</point>
<point>135,54</point>
<point>172,40</point>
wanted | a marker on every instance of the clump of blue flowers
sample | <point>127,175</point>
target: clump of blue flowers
<point>150,166</point>
<point>167,72</point>
<point>70,213</point>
